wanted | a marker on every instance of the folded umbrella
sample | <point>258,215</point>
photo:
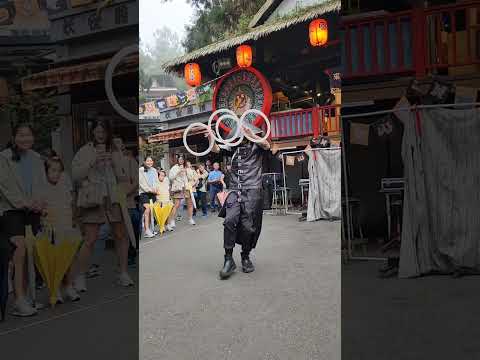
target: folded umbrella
<point>122,200</point>
<point>54,258</point>
<point>161,214</point>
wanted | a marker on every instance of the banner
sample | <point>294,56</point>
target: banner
<point>192,98</point>
<point>359,133</point>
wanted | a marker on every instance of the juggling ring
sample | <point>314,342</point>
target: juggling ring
<point>230,141</point>
<point>211,139</point>
<point>267,122</point>
<point>216,135</point>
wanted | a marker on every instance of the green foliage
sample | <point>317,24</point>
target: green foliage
<point>39,109</point>
<point>166,46</point>
<point>156,150</point>
<point>219,19</point>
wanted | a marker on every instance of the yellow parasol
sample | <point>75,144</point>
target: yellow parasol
<point>161,213</point>
<point>54,258</point>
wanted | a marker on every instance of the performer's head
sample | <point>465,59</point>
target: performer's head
<point>216,166</point>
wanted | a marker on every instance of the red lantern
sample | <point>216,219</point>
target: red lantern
<point>318,31</point>
<point>244,56</point>
<point>193,75</point>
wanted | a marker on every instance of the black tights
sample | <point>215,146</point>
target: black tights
<point>245,252</point>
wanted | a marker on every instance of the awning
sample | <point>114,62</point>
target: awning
<point>172,135</point>
<point>77,74</point>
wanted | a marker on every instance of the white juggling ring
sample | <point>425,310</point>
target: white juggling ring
<point>211,139</point>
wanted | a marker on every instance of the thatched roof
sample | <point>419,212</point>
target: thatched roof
<point>255,34</point>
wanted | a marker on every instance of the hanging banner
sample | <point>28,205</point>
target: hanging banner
<point>290,160</point>
<point>359,133</point>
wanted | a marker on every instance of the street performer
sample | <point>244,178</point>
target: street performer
<point>243,206</point>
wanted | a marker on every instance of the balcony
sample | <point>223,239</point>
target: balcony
<point>435,40</point>
<point>305,122</point>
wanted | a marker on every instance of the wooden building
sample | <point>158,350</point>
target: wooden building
<point>289,78</point>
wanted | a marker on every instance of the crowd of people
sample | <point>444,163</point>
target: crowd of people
<point>36,190</point>
<point>194,187</point>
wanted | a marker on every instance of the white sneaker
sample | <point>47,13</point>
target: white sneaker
<point>80,284</point>
<point>168,227</point>
<point>125,280</point>
<point>71,293</point>
<point>148,234</point>
<point>192,222</point>
<point>172,224</point>
<point>60,297</point>
<point>23,308</point>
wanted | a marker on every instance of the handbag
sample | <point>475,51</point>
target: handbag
<point>90,195</point>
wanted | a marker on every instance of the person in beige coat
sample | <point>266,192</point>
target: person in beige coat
<point>22,202</point>
<point>95,172</point>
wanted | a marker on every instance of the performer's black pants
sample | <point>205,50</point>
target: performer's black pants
<point>243,219</point>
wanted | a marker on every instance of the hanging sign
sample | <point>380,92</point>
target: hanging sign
<point>359,133</point>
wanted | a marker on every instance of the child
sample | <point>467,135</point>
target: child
<point>60,214</point>
<point>163,196</point>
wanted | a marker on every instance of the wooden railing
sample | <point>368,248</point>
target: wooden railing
<point>417,42</point>
<point>306,122</point>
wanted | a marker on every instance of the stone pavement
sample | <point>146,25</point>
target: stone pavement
<point>102,325</point>
<point>288,309</point>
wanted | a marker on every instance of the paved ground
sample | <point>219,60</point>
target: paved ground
<point>102,325</point>
<point>434,317</point>
<point>288,309</point>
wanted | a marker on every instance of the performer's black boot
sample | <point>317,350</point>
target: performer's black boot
<point>229,266</point>
<point>247,265</point>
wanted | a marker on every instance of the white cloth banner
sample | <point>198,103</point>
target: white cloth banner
<point>441,226</point>
<point>324,193</point>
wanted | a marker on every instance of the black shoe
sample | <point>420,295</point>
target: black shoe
<point>228,267</point>
<point>247,265</point>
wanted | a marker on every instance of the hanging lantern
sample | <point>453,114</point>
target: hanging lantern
<point>193,75</point>
<point>244,56</point>
<point>318,31</point>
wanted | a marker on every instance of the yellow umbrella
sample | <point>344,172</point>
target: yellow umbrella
<point>161,214</point>
<point>54,260</point>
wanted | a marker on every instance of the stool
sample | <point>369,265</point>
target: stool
<point>354,209</point>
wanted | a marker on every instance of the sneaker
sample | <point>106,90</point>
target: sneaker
<point>169,227</point>
<point>125,280</point>
<point>179,218</point>
<point>23,308</point>
<point>38,306</point>
<point>60,297</point>
<point>148,234</point>
<point>80,283</point>
<point>71,293</point>
<point>192,222</point>
<point>172,224</point>
<point>94,271</point>
<point>205,215</point>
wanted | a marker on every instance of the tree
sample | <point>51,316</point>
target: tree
<point>219,19</point>
<point>166,46</point>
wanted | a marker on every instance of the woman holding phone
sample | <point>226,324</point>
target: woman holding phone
<point>94,172</point>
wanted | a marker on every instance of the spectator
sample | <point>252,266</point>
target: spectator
<point>208,165</point>
<point>22,185</point>
<point>201,197</point>
<point>179,177</point>
<point>227,177</point>
<point>148,189</point>
<point>94,170</point>
<point>163,196</point>
<point>215,181</point>
<point>59,191</point>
